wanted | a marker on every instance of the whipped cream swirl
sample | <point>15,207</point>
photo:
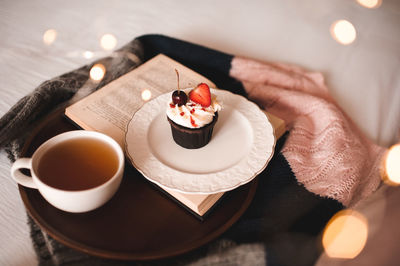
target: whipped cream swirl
<point>193,115</point>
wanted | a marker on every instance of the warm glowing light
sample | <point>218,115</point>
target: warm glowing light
<point>146,95</point>
<point>108,42</point>
<point>97,72</point>
<point>370,3</point>
<point>392,166</point>
<point>345,235</point>
<point>88,54</point>
<point>49,36</point>
<point>343,32</point>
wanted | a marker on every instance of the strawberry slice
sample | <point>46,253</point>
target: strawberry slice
<point>201,95</point>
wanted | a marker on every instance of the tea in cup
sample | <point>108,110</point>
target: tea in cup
<point>76,171</point>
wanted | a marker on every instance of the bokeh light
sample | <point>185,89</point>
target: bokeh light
<point>108,42</point>
<point>88,54</point>
<point>49,36</point>
<point>392,166</point>
<point>343,32</point>
<point>97,72</point>
<point>370,3</point>
<point>146,95</point>
<point>345,235</point>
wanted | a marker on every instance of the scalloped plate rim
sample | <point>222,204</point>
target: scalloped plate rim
<point>149,175</point>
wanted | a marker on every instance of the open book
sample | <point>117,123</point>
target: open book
<point>110,109</point>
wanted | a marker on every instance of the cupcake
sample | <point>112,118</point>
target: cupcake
<point>192,114</point>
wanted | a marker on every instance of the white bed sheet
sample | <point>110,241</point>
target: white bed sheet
<point>363,77</point>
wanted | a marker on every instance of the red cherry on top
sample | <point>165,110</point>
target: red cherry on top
<point>179,97</point>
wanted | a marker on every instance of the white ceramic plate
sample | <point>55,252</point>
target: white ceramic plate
<point>241,146</point>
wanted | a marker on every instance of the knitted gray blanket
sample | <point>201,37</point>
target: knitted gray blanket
<point>16,124</point>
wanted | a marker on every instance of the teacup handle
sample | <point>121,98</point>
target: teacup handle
<point>20,178</point>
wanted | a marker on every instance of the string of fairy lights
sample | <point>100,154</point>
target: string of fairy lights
<point>346,234</point>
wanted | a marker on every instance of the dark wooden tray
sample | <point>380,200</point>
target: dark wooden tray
<point>139,222</point>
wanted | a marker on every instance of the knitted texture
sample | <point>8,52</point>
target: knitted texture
<point>329,155</point>
<point>17,123</point>
<point>284,221</point>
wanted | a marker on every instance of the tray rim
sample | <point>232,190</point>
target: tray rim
<point>107,254</point>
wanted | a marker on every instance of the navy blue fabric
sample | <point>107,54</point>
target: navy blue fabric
<point>284,216</point>
<point>212,64</point>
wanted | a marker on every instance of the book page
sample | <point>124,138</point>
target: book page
<point>110,109</point>
<point>199,203</point>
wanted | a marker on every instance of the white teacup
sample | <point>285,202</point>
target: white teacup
<point>76,171</point>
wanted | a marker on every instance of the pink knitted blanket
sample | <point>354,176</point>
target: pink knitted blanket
<point>327,152</point>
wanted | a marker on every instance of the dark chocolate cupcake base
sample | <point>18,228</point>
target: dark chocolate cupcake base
<point>192,138</point>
